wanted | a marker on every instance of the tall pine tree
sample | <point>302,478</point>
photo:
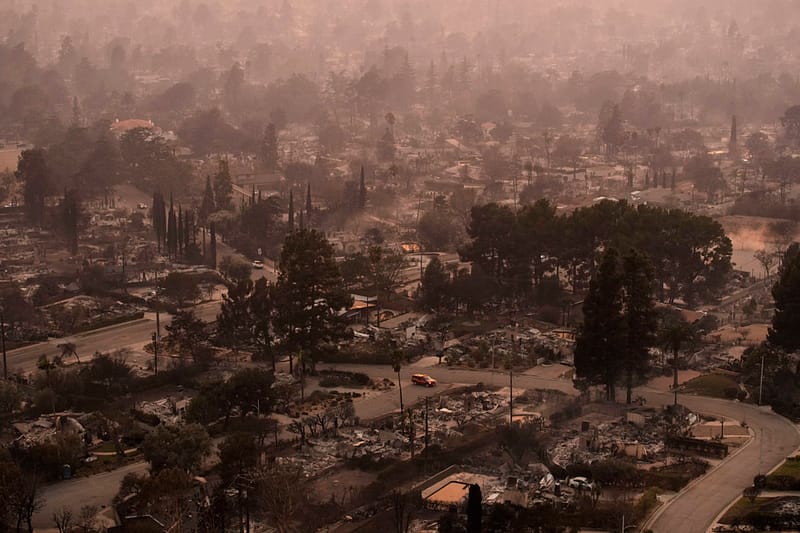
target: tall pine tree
<point>640,316</point>
<point>785,330</point>
<point>601,337</point>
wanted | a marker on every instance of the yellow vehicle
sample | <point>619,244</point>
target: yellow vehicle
<point>423,379</point>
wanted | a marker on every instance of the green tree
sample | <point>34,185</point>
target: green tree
<point>362,191</point>
<point>223,186</point>
<point>235,268</point>
<point>172,231</point>
<point>181,447</point>
<point>186,334</point>
<point>474,509</point>
<point>208,205</point>
<point>210,404</point>
<point>601,338</point>
<point>269,148</point>
<point>385,268</point>
<point>434,285</point>
<point>489,228</point>
<point>439,230</point>
<point>262,309</point>
<point>71,219</point>
<point>212,247</point>
<point>759,150</point>
<point>706,176</point>
<point>150,163</point>
<point>181,287</point>
<point>639,315</point>
<point>68,349</point>
<point>32,169</point>
<point>567,151</point>
<point>234,319</point>
<point>785,329</point>
<point>791,123</point>
<point>674,334</point>
<point>239,453</point>
<point>309,295</point>
<point>250,390</point>
<point>609,128</point>
<point>102,169</point>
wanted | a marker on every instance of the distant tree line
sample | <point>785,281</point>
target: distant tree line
<point>518,256</point>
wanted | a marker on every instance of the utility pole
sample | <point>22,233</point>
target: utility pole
<point>426,433</point>
<point>3,336</point>
<point>157,334</point>
<point>511,382</point>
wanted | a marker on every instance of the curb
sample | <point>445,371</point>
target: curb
<point>697,480</point>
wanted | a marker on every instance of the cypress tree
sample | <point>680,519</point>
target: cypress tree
<point>600,339</point>
<point>291,210</point>
<point>640,317</point>
<point>207,206</point>
<point>172,240</point>
<point>362,191</point>
<point>474,509</point>
<point>213,248</point>
<point>156,217</point>
<point>179,233</point>
<point>308,204</point>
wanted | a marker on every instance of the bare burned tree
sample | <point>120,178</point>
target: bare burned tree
<point>282,494</point>
<point>63,520</point>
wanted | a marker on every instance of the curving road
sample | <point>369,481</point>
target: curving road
<point>692,511</point>
<point>695,509</point>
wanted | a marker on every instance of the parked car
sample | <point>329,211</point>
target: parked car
<point>423,379</point>
<point>580,483</point>
<point>258,265</point>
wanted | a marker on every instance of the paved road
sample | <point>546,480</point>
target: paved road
<point>101,340</point>
<point>694,510</point>
<point>97,490</point>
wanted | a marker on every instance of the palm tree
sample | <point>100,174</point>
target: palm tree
<point>675,333</point>
<point>397,361</point>
<point>68,349</point>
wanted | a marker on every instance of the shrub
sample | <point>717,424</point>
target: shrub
<point>646,503</point>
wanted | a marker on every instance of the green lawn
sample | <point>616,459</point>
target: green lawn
<point>742,508</point>
<point>714,385</point>
<point>791,468</point>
